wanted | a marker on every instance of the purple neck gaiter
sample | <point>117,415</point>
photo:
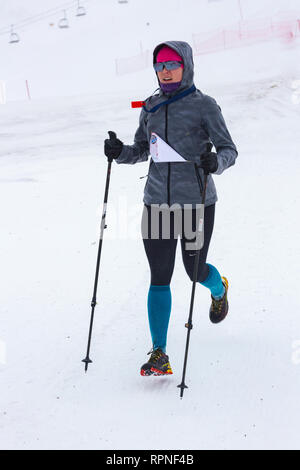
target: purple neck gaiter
<point>169,87</point>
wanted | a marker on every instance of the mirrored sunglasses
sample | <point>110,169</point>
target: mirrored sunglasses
<point>170,65</point>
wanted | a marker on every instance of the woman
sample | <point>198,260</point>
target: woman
<point>187,121</point>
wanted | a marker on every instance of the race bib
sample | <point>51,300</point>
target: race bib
<point>161,152</point>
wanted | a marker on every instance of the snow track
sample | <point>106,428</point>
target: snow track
<point>243,375</point>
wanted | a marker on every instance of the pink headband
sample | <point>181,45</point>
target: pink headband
<point>166,54</point>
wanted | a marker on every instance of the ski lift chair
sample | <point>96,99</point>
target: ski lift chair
<point>81,11</point>
<point>14,37</point>
<point>63,23</point>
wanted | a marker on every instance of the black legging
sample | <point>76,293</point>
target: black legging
<point>161,252</point>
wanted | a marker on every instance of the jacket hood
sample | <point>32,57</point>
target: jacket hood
<point>186,52</point>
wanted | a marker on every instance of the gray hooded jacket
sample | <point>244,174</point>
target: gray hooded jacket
<point>187,125</point>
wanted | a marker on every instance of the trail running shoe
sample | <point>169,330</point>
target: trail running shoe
<point>158,364</point>
<point>219,308</point>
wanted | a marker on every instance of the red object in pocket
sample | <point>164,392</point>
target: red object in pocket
<point>137,104</point>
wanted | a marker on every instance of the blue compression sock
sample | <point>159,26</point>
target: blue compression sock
<point>159,310</point>
<point>214,282</point>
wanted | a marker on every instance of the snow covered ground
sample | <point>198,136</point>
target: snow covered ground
<point>244,374</point>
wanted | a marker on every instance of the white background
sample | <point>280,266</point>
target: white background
<point>244,374</point>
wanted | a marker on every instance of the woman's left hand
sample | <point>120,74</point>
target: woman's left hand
<point>209,162</point>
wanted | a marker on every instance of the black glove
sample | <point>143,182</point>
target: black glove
<point>112,146</point>
<point>209,162</point>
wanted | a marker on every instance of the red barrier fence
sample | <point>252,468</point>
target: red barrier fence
<point>244,33</point>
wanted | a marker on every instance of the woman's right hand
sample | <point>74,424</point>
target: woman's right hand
<point>112,146</point>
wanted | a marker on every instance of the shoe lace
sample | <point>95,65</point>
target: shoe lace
<point>217,304</point>
<point>155,355</point>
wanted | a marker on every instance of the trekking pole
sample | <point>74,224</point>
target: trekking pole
<point>87,360</point>
<point>189,324</point>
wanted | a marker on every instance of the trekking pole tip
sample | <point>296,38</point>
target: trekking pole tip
<point>182,386</point>
<point>86,361</point>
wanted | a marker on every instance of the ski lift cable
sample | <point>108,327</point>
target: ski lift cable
<point>42,16</point>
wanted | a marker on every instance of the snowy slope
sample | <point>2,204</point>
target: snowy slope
<point>82,59</point>
<point>243,375</point>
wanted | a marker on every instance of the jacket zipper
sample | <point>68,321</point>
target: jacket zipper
<point>141,177</point>
<point>198,178</point>
<point>169,164</point>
